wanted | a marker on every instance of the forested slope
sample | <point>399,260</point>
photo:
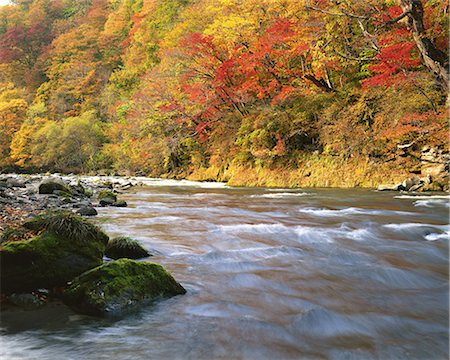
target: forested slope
<point>259,92</point>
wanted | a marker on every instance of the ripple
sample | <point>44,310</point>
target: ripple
<point>350,211</point>
<point>281,195</point>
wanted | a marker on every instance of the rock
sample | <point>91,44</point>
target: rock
<point>120,203</point>
<point>125,247</point>
<point>26,301</point>
<point>107,202</point>
<point>87,211</point>
<point>121,285</point>
<point>107,198</point>
<point>386,187</point>
<point>410,182</point>
<point>434,170</point>
<point>416,187</point>
<point>66,246</point>
<point>49,185</point>
<point>14,183</point>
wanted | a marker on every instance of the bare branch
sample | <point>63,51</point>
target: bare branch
<point>398,18</point>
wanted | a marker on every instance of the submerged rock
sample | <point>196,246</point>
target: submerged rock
<point>66,246</point>
<point>125,247</point>
<point>121,285</point>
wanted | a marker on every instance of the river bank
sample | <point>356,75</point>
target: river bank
<point>22,196</point>
<point>326,171</point>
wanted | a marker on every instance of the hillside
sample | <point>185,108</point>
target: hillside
<point>255,92</point>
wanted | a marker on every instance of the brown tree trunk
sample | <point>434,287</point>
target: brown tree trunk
<point>320,83</point>
<point>433,58</point>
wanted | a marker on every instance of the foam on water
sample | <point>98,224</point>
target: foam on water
<point>350,211</point>
<point>435,236</point>
<point>304,234</point>
<point>429,232</point>
<point>422,197</point>
<point>431,203</point>
<point>281,195</point>
<point>408,226</point>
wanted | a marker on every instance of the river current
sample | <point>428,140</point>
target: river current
<point>270,274</point>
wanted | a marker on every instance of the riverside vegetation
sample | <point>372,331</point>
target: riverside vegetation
<point>258,92</point>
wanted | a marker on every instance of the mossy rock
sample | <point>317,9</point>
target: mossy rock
<point>120,203</point>
<point>119,286</point>
<point>66,246</point>
<point>107,195</point>
<point>50,185</point>
<point>125,247</point>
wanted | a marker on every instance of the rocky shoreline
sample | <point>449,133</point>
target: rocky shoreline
<point>49,251</point>
<point>25,195</point>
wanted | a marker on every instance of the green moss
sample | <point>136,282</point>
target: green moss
<point>106,194</point>
<point>116,286</point>
<point>60,252</point>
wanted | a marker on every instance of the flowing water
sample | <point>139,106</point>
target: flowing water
<point>270,274</point>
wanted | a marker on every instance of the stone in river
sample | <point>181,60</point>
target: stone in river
<point>49,185</point>
<point>118,286</point>
<point>87,211</point>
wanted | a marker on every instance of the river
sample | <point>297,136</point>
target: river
<point>270,274</point>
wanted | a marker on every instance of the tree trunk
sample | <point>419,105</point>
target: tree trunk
<point>320,83</point>
<point>433,58</point>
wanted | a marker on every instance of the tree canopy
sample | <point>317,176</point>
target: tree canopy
<point>170,86</point>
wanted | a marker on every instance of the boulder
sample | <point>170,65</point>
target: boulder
<point>65,247</point>
<point>107,198</point>
<point>410,182</point>
<point>87,211</point>
<point>434,170</point>
<point>416,187</point>
<point>125,247</point>
<point>49,185</point>
<point>118,286</point>
<point>106,194</point>
<point>389,187</point>
<point>120,203</point>
<point>26,301</point>
<point>14,183</point>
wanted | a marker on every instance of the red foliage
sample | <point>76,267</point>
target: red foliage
<point>221,80</point>
<point>429,126</point>
<point>396,56</point>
